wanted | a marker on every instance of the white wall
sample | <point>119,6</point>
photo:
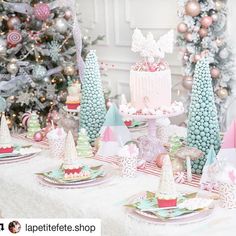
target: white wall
<point>116,19</point>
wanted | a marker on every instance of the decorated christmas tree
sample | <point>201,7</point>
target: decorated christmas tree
<point>40,49</point>
<point>203,26</point>
<point>83,146</point>
<point>203,127</point>
<point>33,125</point>
<point>93,108</point>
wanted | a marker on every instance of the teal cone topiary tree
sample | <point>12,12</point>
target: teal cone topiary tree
<point>203,127</point>
<point>93,108</point>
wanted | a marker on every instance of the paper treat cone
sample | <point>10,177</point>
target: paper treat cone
<point>129,160</point>
<point>227,195</point>
<point>56,140</point>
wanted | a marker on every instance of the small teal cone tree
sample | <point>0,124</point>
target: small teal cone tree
<point>93,108</point>
<point>203,127</point>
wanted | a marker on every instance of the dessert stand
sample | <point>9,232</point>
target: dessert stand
<point>151,138</point>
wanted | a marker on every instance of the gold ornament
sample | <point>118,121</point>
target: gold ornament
<point>69,70</point>
<point>187,82</point>
<point>222,93</point>
<point>42,99</point>
<point>218,5</point>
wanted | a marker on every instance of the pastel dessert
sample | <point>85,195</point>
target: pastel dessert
<point>167,194</point>
<point>6,145</point>
<point>73,98</point>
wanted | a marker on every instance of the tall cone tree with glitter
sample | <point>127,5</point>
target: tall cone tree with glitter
<point>203,126</point>
<point>93,108</point>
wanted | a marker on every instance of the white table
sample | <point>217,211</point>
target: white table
<point>23,197</point>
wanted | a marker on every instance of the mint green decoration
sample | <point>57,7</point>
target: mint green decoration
<point>33,125</point>
<point>83,146</point>
<point>3,104</point>
<point>175,144</point>
<point>211,156</point>
<point>203,127</point>
<point>93,108</point>
<point>113,117</point>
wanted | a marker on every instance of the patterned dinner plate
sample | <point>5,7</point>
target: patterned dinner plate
<point>189,218</point>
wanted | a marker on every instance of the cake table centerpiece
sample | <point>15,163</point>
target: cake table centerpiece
<point>150,89</point>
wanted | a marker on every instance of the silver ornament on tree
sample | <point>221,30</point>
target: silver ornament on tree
<point>39,72</point>
<point>224,53</point>
<point>12,67</point>
<point>13,23</point>
<point>187,82</point>
<point>60,25</point>
<point>68,14</point>
<point>3,47</point>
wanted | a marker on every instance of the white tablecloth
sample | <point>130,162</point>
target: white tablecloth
<point>23,197</point>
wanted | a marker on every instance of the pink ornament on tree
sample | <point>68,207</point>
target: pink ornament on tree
<point>203,32</point>
<point>182,27</point>
<point>38,136</point>
<point>14,37</point>
<point>192,8</point>
<point>42,11</point>
<point>206,21</point>
<point>189,37</point>
<point>215,72</point>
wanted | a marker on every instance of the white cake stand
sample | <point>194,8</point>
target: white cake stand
<point>151,139</point>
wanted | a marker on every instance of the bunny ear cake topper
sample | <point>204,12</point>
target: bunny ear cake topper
<point>150,48</point>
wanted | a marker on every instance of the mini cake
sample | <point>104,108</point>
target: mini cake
<point>167,194</point>
<point>73,98</point>
<point>150,80</point>
<point>5,137</point>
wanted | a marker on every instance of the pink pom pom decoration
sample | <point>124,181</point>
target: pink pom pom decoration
<point>42,11</point>
<point>14,37</point>
<point>180,177</point>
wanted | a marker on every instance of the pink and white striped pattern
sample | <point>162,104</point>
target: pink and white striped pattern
<point>152,169</point>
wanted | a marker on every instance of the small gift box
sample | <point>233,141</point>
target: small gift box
<point>56,140</point>
<point>129,154</point>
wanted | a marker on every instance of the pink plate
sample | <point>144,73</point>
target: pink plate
<point>17,158</point>
<point>82,184</point>
<point>180,220</point>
